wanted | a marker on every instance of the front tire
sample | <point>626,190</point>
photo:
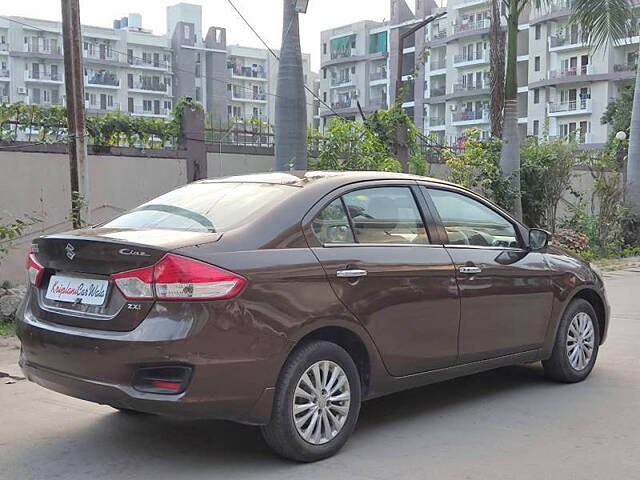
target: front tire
<point>576,346</point>
<point>316,404</point>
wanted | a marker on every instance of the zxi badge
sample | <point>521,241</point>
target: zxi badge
<point>71,251</point>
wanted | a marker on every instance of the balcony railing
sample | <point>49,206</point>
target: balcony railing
<point>4,47</point>
<point>378,104</point>
<point>439,35</point>
<point>467,87</point>
<point>150,87</point>
<point>97,55</point>
<point>139,62</point>
<point>342,53</point>
<point>245,95</point>
<point>340,104</point>
<point>336,82</point>
<point>625,67</point>
<point>378,75</point>
<point>156,112</point>
<point>105,79</point>
<point>438,91</point>
<point>438,63</point>
<point>96,107</point>
<point>4,73</point>
<point>436,121</point>
<point>471,26</point>
<point>246,72</point>
<point>582,105</point>
<point>555,41</point>
<point>562,5</point>
<point>37,48</point>
<point>42,76</point>
<point>470,115</point>
<point>470,57</point>
<point>571,72</point>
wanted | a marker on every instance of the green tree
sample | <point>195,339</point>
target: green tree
<point>618,112</point>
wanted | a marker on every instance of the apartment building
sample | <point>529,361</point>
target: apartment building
<point>563,86</point>
<point>130,69</point>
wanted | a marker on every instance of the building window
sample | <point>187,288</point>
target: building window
<point>198,94</point>
<point>536,64</point>
<point>536,127</point>
<point>324,96</point>
<point>324,73</point>
<point>324,48</point>
<point>538,33</point>
<point>187,32</point>
<point>536,96</point>
<point>130,105</point>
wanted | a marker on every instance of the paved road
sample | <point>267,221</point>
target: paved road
<point>507,424</point>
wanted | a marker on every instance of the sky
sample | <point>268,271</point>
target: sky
<point>264,15</point>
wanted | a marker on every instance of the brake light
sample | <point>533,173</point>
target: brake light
<point>135,284</point>
<point>35,271</point>
<point>178,278</point>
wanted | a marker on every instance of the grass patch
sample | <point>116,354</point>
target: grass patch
<point>7,329</point>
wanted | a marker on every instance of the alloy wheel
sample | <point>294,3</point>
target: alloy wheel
<point>580,341</point>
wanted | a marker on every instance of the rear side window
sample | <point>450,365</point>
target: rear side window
<point>385,215</point>
<point>332,225</point>
<point>469,222</point>
<point>205,207</point>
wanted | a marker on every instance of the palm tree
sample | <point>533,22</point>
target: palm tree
<point>510,154</point>
<point>603,22</point>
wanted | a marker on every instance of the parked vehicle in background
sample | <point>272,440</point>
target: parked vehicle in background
<point>285,300</point>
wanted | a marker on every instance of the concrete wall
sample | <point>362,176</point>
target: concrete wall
<point>38,184</point>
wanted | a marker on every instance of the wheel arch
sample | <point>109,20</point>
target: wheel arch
<point>598,304</point>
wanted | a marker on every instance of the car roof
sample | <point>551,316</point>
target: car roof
<point>306,178</point>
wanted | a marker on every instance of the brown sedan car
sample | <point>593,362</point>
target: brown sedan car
<point>285,300</point>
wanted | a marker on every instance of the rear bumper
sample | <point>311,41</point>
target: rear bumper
<point>228,381</point>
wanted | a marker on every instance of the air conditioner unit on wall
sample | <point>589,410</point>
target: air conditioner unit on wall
<point>22,91</point>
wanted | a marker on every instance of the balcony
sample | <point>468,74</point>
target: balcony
<point>242,72</point>
<point>343,81</point>
<point>342,104</point>
<point>472,58</point>
<point>140,111</point>
<point>469,87</point>
<point>39,49</point>
<point>436,122</point>
<point>96,108</point>
<point>471,26</point>
<point>562,5</point>
<point>625,67</point>
<point>572,107</point>
<point>571,72</point>
<point>557,43</point>
<point>378,104</point>
<point>438,35</point>
<point>438,91</point>
<point>438,63</point>
<point>248,96</point>
<point>150,87</point>
<point>4,75</point>
<point>106,56</point>
<point>470,117</point>
<point>378,75</point>
<point>42,77</point>
<point>4,47</point>
<point>139,62</point>
<point>103,80</point>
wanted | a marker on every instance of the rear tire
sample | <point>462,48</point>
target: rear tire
<point>318,397</point>
<point>576,346</point>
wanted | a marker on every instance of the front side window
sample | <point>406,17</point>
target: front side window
<point>385,215</point>
<point>332,224</point>
<point>469,222</point>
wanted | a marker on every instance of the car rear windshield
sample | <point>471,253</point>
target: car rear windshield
<point>205,207</point>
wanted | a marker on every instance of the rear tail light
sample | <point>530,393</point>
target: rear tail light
<point>179,278</point>
<point>35,271</point>
<point>168,379</point>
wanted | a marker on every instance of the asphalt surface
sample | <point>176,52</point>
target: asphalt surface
<point>511,423</point>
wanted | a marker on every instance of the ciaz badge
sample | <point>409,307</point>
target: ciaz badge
<point>135,253</point>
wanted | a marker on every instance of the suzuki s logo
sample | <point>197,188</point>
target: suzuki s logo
<point>71,251</point>
<point>128,252</point>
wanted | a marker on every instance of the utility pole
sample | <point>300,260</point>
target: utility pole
<point>291,100</point>
<point>401,130</point>
<point>74,83</point>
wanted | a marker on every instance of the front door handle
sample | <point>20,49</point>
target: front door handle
<point>469,270</point>
<point>351,273</point>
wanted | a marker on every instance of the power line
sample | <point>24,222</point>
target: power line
<point>216,79</point>
<point>278,58</point>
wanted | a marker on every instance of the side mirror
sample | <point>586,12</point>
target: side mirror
<point>538,239</point>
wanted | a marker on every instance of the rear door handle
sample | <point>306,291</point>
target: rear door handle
<point>469,270</point>
<point>351,273</point>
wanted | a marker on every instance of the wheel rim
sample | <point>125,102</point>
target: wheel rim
<point>321,402</point>
<point>580,341</point>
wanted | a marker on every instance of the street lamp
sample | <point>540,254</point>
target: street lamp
<point>621,135</point>
<point>301,6</point>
